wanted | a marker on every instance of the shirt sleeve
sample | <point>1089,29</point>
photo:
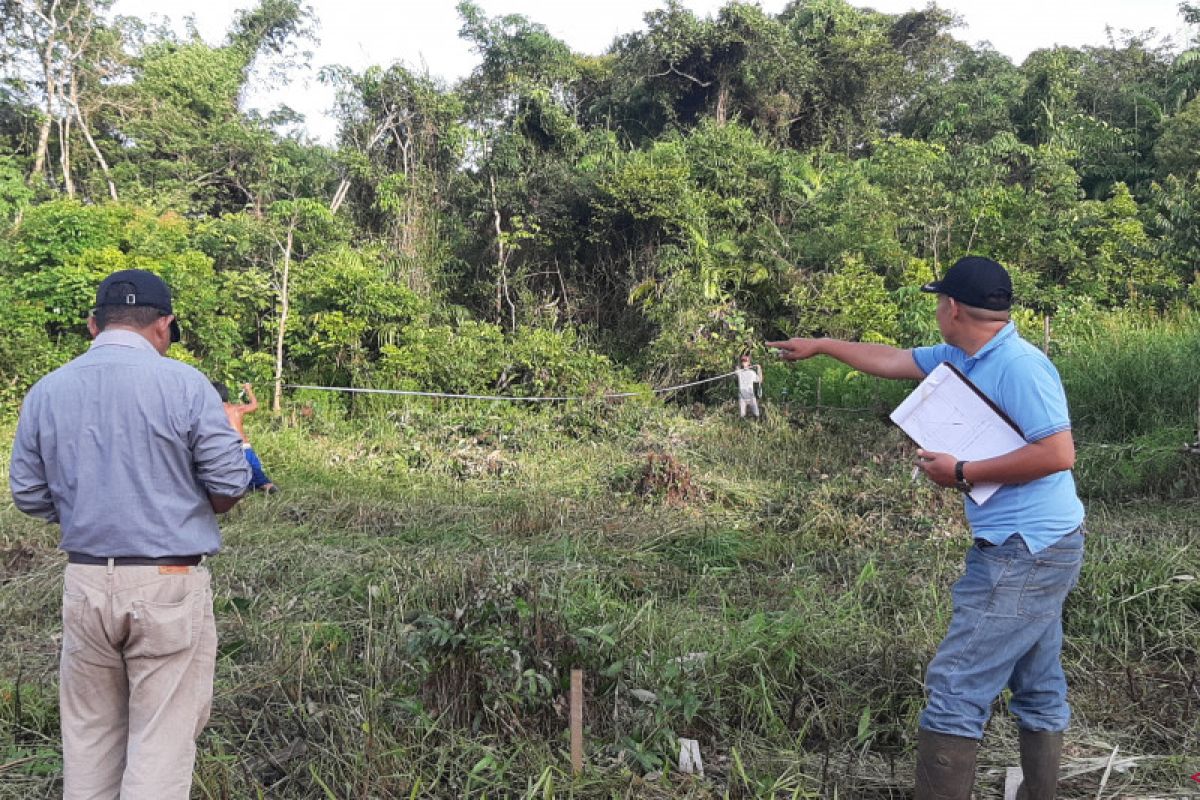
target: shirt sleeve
<point>27,470</point>
<point>216,448</point>
<point>1032,394</point>
<point>928,358</point>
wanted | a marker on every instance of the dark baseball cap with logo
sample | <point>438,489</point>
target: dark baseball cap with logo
<point>137,287</point>
<point>976,281</point>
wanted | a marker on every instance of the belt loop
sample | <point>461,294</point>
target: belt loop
<point>112,563</point>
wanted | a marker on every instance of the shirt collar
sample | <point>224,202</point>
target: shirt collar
<point>1001,336</point>
<point>121,337</point>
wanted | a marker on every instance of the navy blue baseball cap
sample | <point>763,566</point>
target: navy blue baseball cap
<point>976,281</point>
<point>137,287</point>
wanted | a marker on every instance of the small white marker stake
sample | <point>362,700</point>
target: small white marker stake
<point>1013,778</point>
<point>577,722</point>
<point>690,762</point>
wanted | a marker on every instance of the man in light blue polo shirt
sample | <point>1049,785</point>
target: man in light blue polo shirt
<point>1006,630</point>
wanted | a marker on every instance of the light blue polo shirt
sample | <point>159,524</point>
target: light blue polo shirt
<point>1025,385</point>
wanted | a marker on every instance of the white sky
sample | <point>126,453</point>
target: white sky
<point>359,33</point>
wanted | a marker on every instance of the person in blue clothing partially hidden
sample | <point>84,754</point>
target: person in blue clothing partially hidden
<point>235,412</point>
<point>1006,627</point>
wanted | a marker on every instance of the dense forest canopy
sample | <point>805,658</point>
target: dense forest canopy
<point>567,222</point>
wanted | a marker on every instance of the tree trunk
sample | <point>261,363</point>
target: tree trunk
<point>277,405</point>
<point>339,196</point>
<point>64,154</point>
<point>722,112</point>
<point>502,255</point>
<point>87,135</point>
<point>43,145</point>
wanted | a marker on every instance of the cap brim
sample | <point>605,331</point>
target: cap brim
<point>174,330</point>
<point>933,287</point>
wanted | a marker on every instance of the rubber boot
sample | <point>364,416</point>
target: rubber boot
<point>1041,752</point>
<point>945,766</point>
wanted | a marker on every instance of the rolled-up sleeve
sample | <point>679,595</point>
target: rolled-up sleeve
<point>27,471</point>
<point>216,448</point>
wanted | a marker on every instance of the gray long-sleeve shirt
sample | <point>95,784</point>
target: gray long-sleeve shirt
<point>122,447</point>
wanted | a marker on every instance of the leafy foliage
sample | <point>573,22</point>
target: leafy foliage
<point>555,219</point>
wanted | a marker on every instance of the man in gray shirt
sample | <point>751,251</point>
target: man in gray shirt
<point>131,454</point>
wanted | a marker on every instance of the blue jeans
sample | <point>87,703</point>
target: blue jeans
<point>258,478</point>
<point>1006,630</point>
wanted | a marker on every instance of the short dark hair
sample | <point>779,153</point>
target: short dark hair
<point>222,390</point>
<point>133,316</point>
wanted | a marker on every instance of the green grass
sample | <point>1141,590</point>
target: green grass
<point>1130,374</point>
<point>402,619</point>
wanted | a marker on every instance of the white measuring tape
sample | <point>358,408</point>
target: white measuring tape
<point>355,390</point>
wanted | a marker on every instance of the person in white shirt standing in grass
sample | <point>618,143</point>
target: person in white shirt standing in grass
<point>748,375</point>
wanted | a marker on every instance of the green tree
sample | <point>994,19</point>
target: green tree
<point>976,101</point>
<point>1174,222</point>
<point>871,64</point>
<point>1177,150</point>
<point>184,141</point>
<point>401,143</point>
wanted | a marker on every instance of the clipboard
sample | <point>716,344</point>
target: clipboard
<point>947,413</point>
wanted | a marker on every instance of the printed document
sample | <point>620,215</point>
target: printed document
<point>947,413</point>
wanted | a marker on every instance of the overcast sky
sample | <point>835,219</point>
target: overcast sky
<point>359,33</point>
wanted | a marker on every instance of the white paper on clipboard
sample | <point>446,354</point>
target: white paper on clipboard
<point>947,413</point>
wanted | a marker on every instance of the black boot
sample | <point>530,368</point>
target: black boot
<point>945,766</point>
<point>1041,752</point>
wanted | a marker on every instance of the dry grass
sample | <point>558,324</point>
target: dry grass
<point>400,623</point>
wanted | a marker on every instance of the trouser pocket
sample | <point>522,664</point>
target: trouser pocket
<point>160,629</point>
<point>72,621</point>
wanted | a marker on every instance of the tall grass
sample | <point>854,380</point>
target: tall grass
<point>1133,383</point>
<point>1130,374</point>
<point>402,619</point>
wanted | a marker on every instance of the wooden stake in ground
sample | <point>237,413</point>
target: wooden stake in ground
<point>690,762</point>
<point>577,722</point>
<point>1013,778</point>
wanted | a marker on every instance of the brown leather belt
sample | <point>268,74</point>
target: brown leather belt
<point>134,561</point>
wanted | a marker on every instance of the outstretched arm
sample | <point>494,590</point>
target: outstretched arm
<point>879,360</point>
<point>252,405</point>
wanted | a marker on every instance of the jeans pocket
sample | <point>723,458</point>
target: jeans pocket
<point>1046,588</point>
<point>986,585</point>
<point>161,629</point>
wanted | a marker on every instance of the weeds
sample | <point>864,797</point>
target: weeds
<point>391,626</point>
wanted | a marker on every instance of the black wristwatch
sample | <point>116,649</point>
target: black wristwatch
<point>960,481</point>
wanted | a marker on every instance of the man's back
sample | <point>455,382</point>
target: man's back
<point>123,447</point>
<point>130,452</point>
<point>234,412</point>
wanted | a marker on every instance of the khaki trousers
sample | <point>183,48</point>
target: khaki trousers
<point>135,681</point>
